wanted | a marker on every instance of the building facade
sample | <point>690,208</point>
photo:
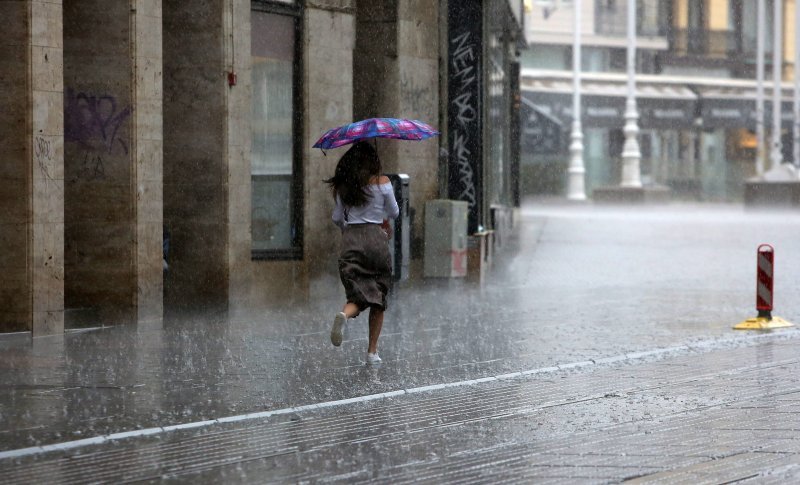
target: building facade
<point>156,155</point>
<point>696,93</point>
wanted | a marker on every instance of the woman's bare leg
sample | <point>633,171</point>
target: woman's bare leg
<point>375,325</point>
<point>350,309</point>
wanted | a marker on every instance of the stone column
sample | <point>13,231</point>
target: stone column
<point>31,168</point>
<point>147,148</point>
<point>113,160</point>
<point>196,166</point>
<point>46,230</point>
<point>239,115</point>
<point>396,74</point>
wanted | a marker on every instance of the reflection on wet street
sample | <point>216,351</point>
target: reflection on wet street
<point>577,284</point>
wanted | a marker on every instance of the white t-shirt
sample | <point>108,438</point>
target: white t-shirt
<point>382,205</point>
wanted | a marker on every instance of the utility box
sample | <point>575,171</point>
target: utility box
<point>446,238</point>
<point>400,244</point>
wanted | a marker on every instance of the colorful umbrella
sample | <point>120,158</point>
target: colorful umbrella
<point>400,129</point>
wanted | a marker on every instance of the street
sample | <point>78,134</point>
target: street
<point>599,350</point>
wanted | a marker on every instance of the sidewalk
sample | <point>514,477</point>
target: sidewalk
<point>713,415</point>
<point>577,284</point>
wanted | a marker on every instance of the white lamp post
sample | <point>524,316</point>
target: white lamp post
<point>760,88</point>
<point>776,156</point>
<point>796,133</point>
<point>576,188</point>
<point>631,175</point>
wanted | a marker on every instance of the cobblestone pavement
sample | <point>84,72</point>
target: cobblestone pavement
<point>712,415</point>
<point>576,284</point>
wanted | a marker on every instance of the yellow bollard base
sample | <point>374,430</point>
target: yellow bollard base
<point>761,323</point>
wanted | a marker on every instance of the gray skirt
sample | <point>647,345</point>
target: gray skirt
<point>365,265</point>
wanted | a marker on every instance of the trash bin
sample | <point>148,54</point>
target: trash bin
<point>400,244</point>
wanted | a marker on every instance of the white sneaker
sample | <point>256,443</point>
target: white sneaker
<point>373,358</point>
<point>338,328</point>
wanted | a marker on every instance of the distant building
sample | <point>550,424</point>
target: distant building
<point>695,93</point>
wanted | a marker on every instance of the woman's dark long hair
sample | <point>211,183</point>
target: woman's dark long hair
<point>353,172</point>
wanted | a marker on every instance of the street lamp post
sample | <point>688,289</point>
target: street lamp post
<point>576,189</point>
<point>796,133</point>
<point>776,156</point>
<point>761,13</point>
<point>631,176</point>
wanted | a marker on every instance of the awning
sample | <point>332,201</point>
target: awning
<point>663,102</point>
<point>735,107</point>
<point>541,132</point>
<point>603,103</point>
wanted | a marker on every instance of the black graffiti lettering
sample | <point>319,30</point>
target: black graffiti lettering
<point>43,154</point>
<point>92,168</point>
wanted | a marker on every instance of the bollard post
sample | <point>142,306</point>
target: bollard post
<point>765,272</point>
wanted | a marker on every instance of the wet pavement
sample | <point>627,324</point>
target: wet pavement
<point>590,289</point>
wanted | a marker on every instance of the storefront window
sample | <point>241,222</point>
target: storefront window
<point>274,174</point>
<point>497,168</point>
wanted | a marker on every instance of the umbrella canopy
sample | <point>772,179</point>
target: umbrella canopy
<point>400,129</point>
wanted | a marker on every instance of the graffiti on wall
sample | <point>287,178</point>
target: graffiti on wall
<point>463,66</point>
<point>417,96</point>
<point>43,154</point>
<point>464,107</point>
<point>94,122</point>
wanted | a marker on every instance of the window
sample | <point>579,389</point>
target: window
<point>275,167</point>
<point>595,59</point>
<point>611,17</point>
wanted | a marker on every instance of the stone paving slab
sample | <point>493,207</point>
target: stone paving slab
<point>554,427</point>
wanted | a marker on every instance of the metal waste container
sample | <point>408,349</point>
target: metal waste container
<point>400,244</point>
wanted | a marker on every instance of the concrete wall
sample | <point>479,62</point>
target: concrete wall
<point>418,66</point>
<point>328,102</point>
<point>396,74</point>
<point>375,69</point>
<point>329,39</point>
<point>31,168</point>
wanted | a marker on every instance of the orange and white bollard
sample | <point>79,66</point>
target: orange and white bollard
<point>765,270</point>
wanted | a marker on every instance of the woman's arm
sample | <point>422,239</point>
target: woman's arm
<point>387,228</point>
<point>389,202</point>
<point>338,213</point>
